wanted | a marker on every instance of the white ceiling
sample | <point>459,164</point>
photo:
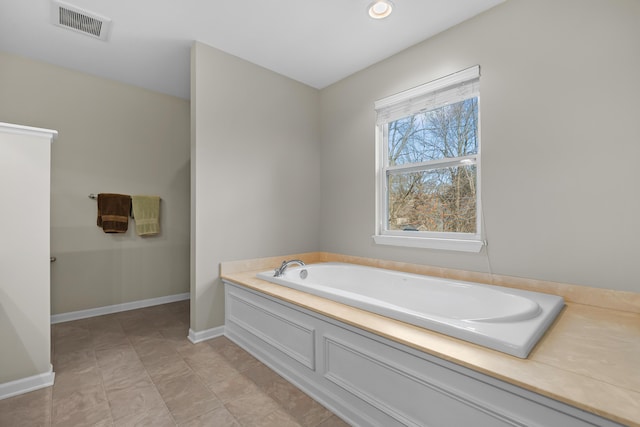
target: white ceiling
<point>315,42</point>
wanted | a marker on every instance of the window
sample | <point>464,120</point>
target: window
<point>428,189</point>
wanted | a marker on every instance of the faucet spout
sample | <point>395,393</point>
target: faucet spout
<point>280,270</point>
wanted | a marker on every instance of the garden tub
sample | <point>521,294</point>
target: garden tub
<point>504,319</point>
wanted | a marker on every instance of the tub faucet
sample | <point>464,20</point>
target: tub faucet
<point>280,270</point>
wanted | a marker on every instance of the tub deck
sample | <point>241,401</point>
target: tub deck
<point>587,359</point>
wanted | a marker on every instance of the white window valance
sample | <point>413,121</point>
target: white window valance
<point>450,89</point>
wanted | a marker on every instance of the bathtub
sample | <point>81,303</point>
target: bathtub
<point>504,319</point>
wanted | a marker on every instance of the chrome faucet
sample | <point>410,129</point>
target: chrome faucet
<point>280,270</point>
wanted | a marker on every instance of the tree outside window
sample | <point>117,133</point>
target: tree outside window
<point>435,198</point>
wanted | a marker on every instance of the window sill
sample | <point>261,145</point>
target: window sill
<point>458,245</point>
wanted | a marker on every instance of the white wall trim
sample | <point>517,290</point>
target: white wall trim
<point>25,385</point>
<point>99,311</point>
<point>459,245</point>
<point>50,134</point>
<point>207,334</point>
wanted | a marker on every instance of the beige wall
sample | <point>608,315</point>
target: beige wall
<point>255,171</point>
<point>112,138</point>
<point>559,114</point>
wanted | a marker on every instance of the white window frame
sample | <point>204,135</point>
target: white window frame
<point>437,93</point>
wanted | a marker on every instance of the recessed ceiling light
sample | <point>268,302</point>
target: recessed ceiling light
<point>380,9</point>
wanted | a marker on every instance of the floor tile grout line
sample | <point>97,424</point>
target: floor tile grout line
<point>238,359</point>
<point>263,389</point>
<point>51,409</point>
<point>106,395</point>
<point>283,407</point>
<point>104,390</point>
<point>207,386</point>
<point>155,386</point>
<point>224,404</point>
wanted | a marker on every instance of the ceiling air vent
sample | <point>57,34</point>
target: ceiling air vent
<point>73,18</point>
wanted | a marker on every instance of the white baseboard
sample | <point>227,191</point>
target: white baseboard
<point>99,311</point>
<point>25,385</point>
<point>207,334</point>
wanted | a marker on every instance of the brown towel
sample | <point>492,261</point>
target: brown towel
<point>113,212</point>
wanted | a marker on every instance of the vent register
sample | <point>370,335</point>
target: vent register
<point>76,19</point>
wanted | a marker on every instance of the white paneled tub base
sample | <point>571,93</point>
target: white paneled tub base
<point>370,381</point>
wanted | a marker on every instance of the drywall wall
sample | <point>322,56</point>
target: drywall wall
<point>254,175</point>
<point>112,138</point>
<point>559,111</point>
<point>24,256</point>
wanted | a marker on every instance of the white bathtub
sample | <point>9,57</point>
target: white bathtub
<point>504,319</point>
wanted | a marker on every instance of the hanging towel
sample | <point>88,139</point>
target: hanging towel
<point>146,212</point>
<point>113,212</point>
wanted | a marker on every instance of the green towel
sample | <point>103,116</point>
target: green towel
<point>146,212</point>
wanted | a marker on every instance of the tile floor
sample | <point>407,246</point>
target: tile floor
<point>137,368</point>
